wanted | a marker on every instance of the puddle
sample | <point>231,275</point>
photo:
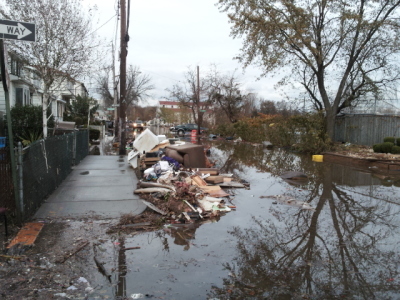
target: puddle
<point>344,247</point>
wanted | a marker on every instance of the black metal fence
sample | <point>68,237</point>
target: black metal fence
<point>45,164</point>
<point>6,182</point>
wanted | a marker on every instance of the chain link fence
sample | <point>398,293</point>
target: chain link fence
<point>6,182</point>
<point>45,164</point>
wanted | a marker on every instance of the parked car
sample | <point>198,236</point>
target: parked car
<point>181,129</point>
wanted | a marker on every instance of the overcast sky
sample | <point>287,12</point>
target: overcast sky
<point>167,37</point>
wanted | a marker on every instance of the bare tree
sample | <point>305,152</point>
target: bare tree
<point>193,94</point>
<point>338,50</point>
<point>64,47</point>
<point>106,86</point>
<point>137,88</point>
<point>227,93</point>
<point>138,85</point>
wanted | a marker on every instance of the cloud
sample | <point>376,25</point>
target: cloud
<point>166,37</point>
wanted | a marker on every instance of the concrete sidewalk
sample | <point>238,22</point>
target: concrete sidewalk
<point>100,186</point>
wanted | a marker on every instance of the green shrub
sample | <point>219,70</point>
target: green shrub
<point>398,141</point>
<point>94,134</point>
<point>304,133</point>
<point>27,122</point>
<point>78,121</point>
<point>389,139</point>
<point>377,148</point>
<point>387,147</point>
<point>395,150</point>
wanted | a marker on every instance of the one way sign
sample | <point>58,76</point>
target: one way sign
<point>15,30</point>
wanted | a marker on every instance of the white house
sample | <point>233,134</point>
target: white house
<point>26,87</point>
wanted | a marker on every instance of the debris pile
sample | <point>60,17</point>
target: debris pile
<point>178,182</point>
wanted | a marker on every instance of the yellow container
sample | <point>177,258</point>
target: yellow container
<point>318,158</point>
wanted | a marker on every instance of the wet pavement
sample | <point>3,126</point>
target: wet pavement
<point>100,186</point>
<point>345,247</point>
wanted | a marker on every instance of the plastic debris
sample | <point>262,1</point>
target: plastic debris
<point>137,296</point>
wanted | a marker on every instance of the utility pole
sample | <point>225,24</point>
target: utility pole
<point>199,120</point>
<point>114,93</point>
<point>122,84</point>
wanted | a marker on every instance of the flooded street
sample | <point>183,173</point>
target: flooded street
<point>345,245</point>
<point>333,235</point>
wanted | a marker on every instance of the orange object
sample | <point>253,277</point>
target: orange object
<point>27,235</point>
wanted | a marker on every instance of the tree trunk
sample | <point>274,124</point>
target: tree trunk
<point>330,123</point>
<point>44,114</point>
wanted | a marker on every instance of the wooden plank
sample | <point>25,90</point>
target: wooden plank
<point>151,159</point>
<point>214,179</point>
<point>231,184</point>
<point>208,188</point>
<point>159,146</point>
<point>27,235</point>
<point>197,180</point>
<point>211,171</point>
<point>218,193</point>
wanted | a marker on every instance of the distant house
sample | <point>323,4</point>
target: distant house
<point>177,113</point>
<point>67,92</point>
<point>26,88</point>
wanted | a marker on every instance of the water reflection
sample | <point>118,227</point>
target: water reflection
<point>345,248</point>
<point>182,235</point>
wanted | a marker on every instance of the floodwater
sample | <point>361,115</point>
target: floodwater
<point>345,247</point>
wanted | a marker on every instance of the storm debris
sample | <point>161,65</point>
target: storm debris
<point>179,185</point>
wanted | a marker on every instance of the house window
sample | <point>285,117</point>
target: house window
<point>22,96</point>
<point>60,110</point>
<point>16,67</point>
<point>19,96</point>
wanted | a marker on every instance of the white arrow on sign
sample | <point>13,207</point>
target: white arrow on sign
<point>20,30</point>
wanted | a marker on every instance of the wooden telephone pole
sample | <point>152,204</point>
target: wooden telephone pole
<point>122,84</point>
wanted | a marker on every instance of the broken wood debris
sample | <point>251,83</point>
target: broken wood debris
<point>73,252</point>
<point>130,248</point>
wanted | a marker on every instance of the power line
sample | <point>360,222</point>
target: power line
<point>104,24</point>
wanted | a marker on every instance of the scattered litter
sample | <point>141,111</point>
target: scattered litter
<point>130,248</point>
<point>137,296</point>
<point>82,280</point>
<point>153,207</point>
<point>283,199</point>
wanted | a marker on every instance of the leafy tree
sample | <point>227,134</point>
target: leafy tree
<point>267,107</point>
<point>78,110</point>
<point>168,115</point>
<point>64,47</point>
<point>338,50</point>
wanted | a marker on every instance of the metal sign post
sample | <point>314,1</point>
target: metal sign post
<point>21,31</point>
<point>10,133</point>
